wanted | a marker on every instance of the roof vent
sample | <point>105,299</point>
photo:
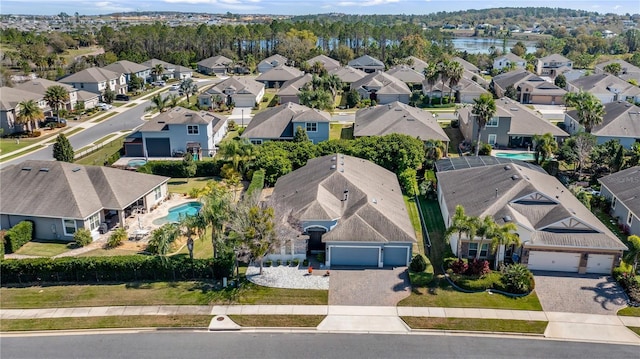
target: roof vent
<point>76,169</point>
<point>507,167</point>
<point>333,167</point>
<point>513,109</point>
<point>515,177</point>
<point>26,168</point>
<point>507,218</point>
<point>333,159</point>
<point>44,169</point>
<point>374,201</point>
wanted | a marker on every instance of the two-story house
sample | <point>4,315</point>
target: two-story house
<point>529,88</point>
<point>39,86</point>
<point>509,60</point>
<point>553,65</point>
<point>10,109</point>
<point>97,80</point>
<point>129,70</point>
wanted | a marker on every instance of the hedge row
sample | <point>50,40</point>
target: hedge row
<point>112,269</point>
<point>176,169</point>
<point>257,182</point>
<point>18,236</point>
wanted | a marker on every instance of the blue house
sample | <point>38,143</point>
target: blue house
<point>281,122</point>
<point>176,132</point>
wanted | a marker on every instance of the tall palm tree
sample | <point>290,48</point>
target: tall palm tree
<point>29,114</point>
<point>484,107</point>
<point>444,75</point>
<point>56,96</point>
<point>431,74</point>
<point>460,224</point>
<point>545,146</point>
<point>487,228</point>
<point>633,254</point>
<point>157,71</point>
<point>161,240</point>
<point>216,210</point>
<point>505,236</point>
<point>186,86</point>
<point>590,109</point>
<point>454,72</point>
<point>239,152</point>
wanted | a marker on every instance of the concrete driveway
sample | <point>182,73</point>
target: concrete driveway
<point>586,293</point>
<point>369,287</point>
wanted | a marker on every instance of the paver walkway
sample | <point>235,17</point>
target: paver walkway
<point>371,287</point>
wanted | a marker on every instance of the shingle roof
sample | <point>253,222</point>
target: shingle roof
<point>553,58</point>
<point>603,83</point>
<point>417,64</point>
<point>621,119</point>
<point>625,185</point>
<point>406,74</point>
<point>273,122</point>
<point>179,116</point>
<point>274,60</point>
<point>293,86</point>
<point>348,74</point>
<point>374,210</point>
<point>91,75</point>
<point>215,61</point>
<point>153,62</point>
<point>240,84</point>
<point>397,117</point>
<point>387,84</point>
<point>366,61</point>
<point>126,67</point>
<point>280,73</point>
<point>511,78</point>
<point>467,65</point>
<point>86,95</point>
<point>531,198</point>
<point>40,86</point>
<point>10,97</point>
<point>67,190</point>
<point>625,66</point>
<point>512,57</point>
<point>328,63</point>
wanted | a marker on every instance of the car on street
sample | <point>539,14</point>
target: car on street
<point>104,106</point>
<point>122,97</point>
<point>174,87</point>
<point>159,83</point>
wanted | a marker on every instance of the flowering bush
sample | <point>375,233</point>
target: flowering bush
<point>478,267</point>
<point>459,267</point>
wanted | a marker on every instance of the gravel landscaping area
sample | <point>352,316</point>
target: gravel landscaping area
<point>287,277</point>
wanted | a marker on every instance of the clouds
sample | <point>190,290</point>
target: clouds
<point>234,5</point>
<point>366,3</point>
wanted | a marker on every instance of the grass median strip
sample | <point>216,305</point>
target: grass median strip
<point>21,153</point>
<point>277,320</point>
<point>105,117</point>
<point>136,321</point>
<point>481,325</point>
<point>635,329</point>
<point>630,312</point>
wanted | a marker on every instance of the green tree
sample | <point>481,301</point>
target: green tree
<point>460,224</point>
<point>454,73</point>
<point>157,71</point>
<point>158,103</point>
<point>117,237</point>
<point>189,166</point>
<point>433,151</point>
<point>505,236</point>
<point>443,70</point>
<point>62,149</point>
<point>352,99</point>
<point>82,237</point>
<point>632,256</point>
<point>56,96</point>
<point>162,240</point>
<point>408,181</point>
<point>484,108</point>
<point>487,228</point>
<point>545,147</point>
<point>216,212</point>
<point>432,75</point>
<point>29,113</point>
<point>108,95</point>
<point>136,84</point>
<point>560,81</point>
<point>275,163</point>
<point>511,92</point>
<point>613,68</point>
<point>589,108</point>
<point>256,229</point>
<point>188,87</point>
<point>300,135</point>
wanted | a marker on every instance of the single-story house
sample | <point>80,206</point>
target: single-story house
<point>348,74</point>
<point>553,65</point>
<point>464,92</point>
<point>530,88</point>
<point>406,74</point>
<point>39,86</point>
<point>97,80</point>
<point>349,208</point>
<point>606,87</point>
<point>367,64</point>
<point>557,232</point>
<point>623,190</point>
<point>621,121</point>
<point>398,117</point>
<point>271,62</point>
<point>416,64</point>
<point>178,131</point>
<point>508,60</point>
<point>328,63</point>
<point>290,89</point>
<point>214,65</point>
<point>129,69</point>
<point>278,75</point>
<point>10,108</point>
<point>382,88</point>
<point>60,197</point>
<point>281,122</point>
<point>242,91</point>
<point>513,125</point>
<point>182,73</point>
<point>627,71</point>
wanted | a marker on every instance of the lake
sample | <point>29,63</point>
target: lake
<point>482,45</point>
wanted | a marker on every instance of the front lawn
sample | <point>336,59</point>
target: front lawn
<point>153,293</point>
<point>630,312</point>
<point>445,296</point>
<point>43,249</point>
<point>298,321</point>
<point>473,324</point>
<point>129,321</point>
<point>11,144</point>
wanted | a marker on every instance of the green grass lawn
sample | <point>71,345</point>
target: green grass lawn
<point>153,293</point>
<point>112,252</point>
<point>435,225</point>
<point>630,312</point>
<point>98,157</point>
<point>445,296</point>
<point>635,329</point>
<point>43,249</point>
<point>8,145</point>
<point>184,185</point>
<point>298,321</point>
<point>137,321</point>
<point>340,131</point>
<point>21,153</point>
<point>472,324</point>
<point>606,219</point>
<point>456,138</point>
<point>412,209</point>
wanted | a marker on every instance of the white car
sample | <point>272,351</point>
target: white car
<point>104,106</point>
<point>174,87</point>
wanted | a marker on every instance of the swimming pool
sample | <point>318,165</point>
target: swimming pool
<point>175,213</point>
<point>522,156</point>
<point>136,163</point>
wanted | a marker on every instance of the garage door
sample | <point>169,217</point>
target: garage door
<point>158,147</point>
<point>554,261</point>
<point>599,263</point>
<point>395,256</point>
<point>354,256</point>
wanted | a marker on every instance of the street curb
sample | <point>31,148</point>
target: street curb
<point>479,332</point>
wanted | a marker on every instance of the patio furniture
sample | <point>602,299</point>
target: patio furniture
<point>139,234</point>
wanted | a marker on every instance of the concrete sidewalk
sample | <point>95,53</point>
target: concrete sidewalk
<point>365,319</point>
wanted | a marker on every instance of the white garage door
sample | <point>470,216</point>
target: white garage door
<point>554,261</point>
<point>599,263</point>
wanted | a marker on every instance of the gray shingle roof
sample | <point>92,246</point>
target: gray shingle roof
<point>621,119</point>
<point>274,60</point>
<point>40,86</point>
<point>553,58</point>
<point>10,97</point>
<point>293,86</point>
<point>406,74</point>
<point>240,84</point>
<point>467,65</point>
<point>67,190</point>
<point>280,73</point>
<point>625,185</point>
<point>181,116</point>
<point>215,61</point>
<point>366,61</point>
<point>153,62</point>
<point>387,84</point>
<point>532,199</point>
<point>274,122</point>
<point>328,63</point>
<point>348,74</point>
<point>126,67</point>
<point>603,83</point>
<point>373,212</point>
<point>86,95</point>
<point>511,78</point>
<point>417,64</point>
<point>91,75</point>
<point>397,117</point>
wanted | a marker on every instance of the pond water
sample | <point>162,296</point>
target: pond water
<point>482,45</point>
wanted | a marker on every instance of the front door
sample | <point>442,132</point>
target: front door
<point>315,240</point>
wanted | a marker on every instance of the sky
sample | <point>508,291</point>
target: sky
<point>298,7</point>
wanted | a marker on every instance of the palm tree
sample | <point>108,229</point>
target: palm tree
<point>157,71</point>
<point>545,146</point>
<point>29,114</point>
<point>158,103</point>
<point>216,209</point>
<point>454,72</point>
<point>431,74</point>
<point>186,86</point>
<point>460,224</point>
<point>444,75</point>
<point>484,107</point>
<point>487,228</point>
<point>239,152</point>
<point>433,151</point>
<point>161,240</point>
<point>590,109</point>
<point>633,254</point>
<point>56,96</point>
<point>505,236</point>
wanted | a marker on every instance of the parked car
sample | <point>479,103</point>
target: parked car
<point>53,120</point>
<point>104,106</point>
<point>122,97</point>
<point>159,83</point>
<point>174,87</point>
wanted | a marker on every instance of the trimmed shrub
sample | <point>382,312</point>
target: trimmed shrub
<point>257,182</point>
<point>82,237</point>
<point>485,149</point>
<point>208,168</point>
<point>620,270</point>
<point>489,281</point>
<point>517,278</point>
<point>418,263</point>
<point>177,169</point>
<point>117,237</point>
<point>460,266</point>
<point>18,236</point>
<point>478,267</point>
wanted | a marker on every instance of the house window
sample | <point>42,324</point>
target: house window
<point>256,142</point>
<point>493,122</point>
<point>94,221</point>
<point>193,129</point>
<point>157,193</point>
<point>493,138</point>
<point>312,126</point>
<point>613,203</point>
<point>630,218</point>
<point>473,250</point>
<point>69,226</point>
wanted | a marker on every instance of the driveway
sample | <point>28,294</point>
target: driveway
<point>586,293</point>
<point>368,287</point>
